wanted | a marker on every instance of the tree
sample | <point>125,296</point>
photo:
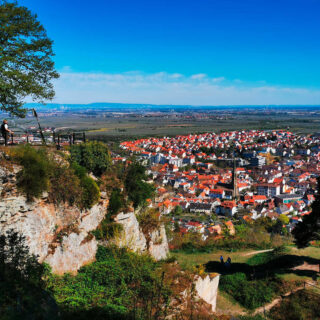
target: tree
<point>33,178</point>
<point>94,156</point>
<point>22,294</point>
<point>137,189</point>
<point>309,228</point>
<point>26,66</point>
<point>284,219</point>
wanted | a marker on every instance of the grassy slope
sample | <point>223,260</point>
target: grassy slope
<point>225,303</point>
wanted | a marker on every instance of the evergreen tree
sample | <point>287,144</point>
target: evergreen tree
<point>26,66</point>
<point>309,229</point>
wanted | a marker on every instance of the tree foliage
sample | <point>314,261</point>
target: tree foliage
<point>309,228</point>
<point>90,192</point>
<point>94,156</point>
<point>22,294</point>
<point>119,285</point>
<point>34,177</point>
<point>64,183</point>
<point>284,219</point>
<point>137,189</point>
<point>26,65</point>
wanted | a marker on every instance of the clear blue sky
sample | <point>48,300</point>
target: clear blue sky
<point>252,42</point>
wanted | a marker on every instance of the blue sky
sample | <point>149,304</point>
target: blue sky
<point>173,51</point>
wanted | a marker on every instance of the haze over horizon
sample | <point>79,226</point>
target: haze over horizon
<point>184,52</point>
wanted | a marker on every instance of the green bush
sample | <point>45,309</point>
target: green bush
<point>107,230</point>
<point>64,186</point>
<point>94,156</point>
<point>34,177</point>
<point>22,294</point>
<point>119,285</point>
<point>116,202</point>
<point>137,189</point>
<point>90,192</point>
<point>251,294</point>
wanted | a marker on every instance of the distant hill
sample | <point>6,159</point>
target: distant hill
<point>152,107</point>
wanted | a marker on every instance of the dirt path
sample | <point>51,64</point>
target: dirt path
<point>256,252</point>
<point>307,266</point>
<point>277,300</point>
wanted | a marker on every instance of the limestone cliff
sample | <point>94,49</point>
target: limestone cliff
<point>57,235</point>
<point>60,235</point>
<point>133,238</point>
<point>207,289</point>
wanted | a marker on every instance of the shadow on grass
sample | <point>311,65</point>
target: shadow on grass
<point>280,265</point>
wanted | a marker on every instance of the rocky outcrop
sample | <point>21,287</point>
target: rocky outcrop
<point>57,235</point>
<point>60,235</point>
<point>133,237</point>
<point>207,289</point>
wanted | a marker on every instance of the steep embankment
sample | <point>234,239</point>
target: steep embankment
<point>61,235</point>
<point>133,237</point>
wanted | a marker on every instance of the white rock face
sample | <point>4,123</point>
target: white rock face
<point>158,246</point>
<point>133,238</point>
<point>41,222</point>
<point>72,254</point>
<point>61,235</point>
<point>207,289</point>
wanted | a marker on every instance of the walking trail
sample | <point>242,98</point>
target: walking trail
<point>256,252</point>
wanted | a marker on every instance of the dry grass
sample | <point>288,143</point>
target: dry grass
<point>313,252</point>
<point>227,305</point>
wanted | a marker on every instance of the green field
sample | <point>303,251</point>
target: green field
<point>128,127</point>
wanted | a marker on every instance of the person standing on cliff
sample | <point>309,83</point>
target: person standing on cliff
<point>5,131</point>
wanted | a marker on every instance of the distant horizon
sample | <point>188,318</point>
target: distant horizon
<point>97,104</point>
<point>184,52</point>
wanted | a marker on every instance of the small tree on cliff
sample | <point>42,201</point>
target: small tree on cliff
<point>22,294</point>
<point>309,228</point>
<point>26,66</point>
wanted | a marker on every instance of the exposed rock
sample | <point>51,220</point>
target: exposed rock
<point>158,246</point>
<point>207,289</point>
<point>133,237</point>
<point>42,223</point>
<point>60,235</point>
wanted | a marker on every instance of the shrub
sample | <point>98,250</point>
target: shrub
<point>137,189</point>
<point>116,202</point>
<point>64,186</point>
<point>21,281</point>
<point>300,305</point>
<point>119,285</point>
<point>251,294</point>
<point>33,179</point>
<point>107,230</point>
<point>90,194</point>
<point>94,156</point>
<point>149,220</point>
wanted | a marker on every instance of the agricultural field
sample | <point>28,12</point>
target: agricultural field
<point>107,127</point>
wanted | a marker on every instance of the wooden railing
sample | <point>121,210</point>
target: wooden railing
<point>58,139</point>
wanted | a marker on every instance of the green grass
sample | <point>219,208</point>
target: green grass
<point>188,261</point>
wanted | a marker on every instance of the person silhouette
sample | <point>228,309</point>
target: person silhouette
<point>5,131</point>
